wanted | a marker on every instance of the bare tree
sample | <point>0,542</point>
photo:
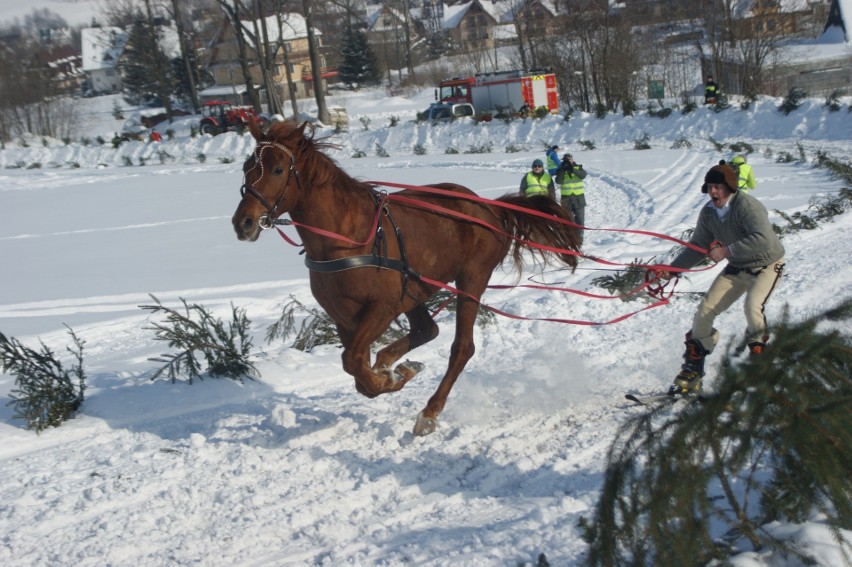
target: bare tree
<point>390,49</point>
<point>234,10</point>
<point>266,57</point>
<point>29,101</point>
<point>408,34</point>
<point>316,70</point>
<point>598,60</point>
<point>270,50</point>
<point>738,51</point>
<point>186,51</point>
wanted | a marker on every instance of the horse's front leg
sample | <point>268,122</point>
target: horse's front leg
<point>422,329</point>
<point>369,381</point>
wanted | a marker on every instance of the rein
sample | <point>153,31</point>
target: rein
<point>653,283</point>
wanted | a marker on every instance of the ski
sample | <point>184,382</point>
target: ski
<point>660,399</point>
<point>652,400</point>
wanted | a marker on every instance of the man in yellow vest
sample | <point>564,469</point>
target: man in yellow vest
<point>537,182</point>
<point>570,180</point>
<point>744,173</point>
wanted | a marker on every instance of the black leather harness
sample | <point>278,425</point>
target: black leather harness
<point>378,258</point>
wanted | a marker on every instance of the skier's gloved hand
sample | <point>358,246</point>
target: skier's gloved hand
<point>663,274</point>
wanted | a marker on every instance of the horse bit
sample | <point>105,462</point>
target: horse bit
<point>267,219</point>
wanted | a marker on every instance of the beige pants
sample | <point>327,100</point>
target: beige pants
<point>725,290</point>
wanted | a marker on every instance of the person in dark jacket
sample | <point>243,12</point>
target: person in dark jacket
<point>569,179</point>
<point>711,90</point>
<point>735,227</point>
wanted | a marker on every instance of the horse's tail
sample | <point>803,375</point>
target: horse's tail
<point>533,228</point>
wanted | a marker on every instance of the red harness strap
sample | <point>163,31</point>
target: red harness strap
<point>656,291</point>
<point>477,198</point>
<point>549,319</point>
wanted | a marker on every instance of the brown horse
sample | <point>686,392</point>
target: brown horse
<point>364,287</point>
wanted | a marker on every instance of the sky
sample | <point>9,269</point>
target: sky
<point>295,467</point>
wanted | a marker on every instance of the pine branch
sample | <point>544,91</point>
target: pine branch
<point>44,394</point>
<point>776,427</point>
<point>196,333</point>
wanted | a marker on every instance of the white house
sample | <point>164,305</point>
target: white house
<point>101,48</point>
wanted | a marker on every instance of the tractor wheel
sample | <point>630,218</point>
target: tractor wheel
<point>208,128</point>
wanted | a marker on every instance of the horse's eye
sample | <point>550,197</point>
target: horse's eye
<point>278,170</point>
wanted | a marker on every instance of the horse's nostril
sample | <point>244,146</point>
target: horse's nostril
<point>247,224</point>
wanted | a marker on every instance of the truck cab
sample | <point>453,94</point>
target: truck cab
<point>455,90</point>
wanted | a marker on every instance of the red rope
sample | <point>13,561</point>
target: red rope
<point>549,319</point>
<point>478,199</point>
<point>656,291</point>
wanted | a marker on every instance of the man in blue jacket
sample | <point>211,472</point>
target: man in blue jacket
<point>552,160</point>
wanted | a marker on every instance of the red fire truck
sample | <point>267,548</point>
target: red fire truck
<point>503,90</point>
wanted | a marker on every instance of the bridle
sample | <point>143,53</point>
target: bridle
<point>265,220</point>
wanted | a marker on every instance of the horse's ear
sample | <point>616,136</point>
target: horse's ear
<point>307,124</point>
<point>254,128</point>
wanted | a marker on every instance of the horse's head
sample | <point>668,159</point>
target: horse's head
<point>271,183</point>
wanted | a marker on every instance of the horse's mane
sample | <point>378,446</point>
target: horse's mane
<point>318,168</point>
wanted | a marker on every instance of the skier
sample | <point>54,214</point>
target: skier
<point>734,226</point>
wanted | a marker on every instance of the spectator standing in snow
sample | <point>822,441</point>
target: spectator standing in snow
<point>537,182</point>
<point>552,154</point>
<point>745,173</point>
<point>711,90</point>
<point>569,178</point>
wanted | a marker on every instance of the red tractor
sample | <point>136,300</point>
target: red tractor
<point>219,116</point>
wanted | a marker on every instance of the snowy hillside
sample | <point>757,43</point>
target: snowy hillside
<point>296,468</point>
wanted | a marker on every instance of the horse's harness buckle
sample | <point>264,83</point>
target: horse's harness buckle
<point>264,221</point>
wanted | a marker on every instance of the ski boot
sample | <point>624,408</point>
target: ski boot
<point>755,348</point>
<point>688,380</point>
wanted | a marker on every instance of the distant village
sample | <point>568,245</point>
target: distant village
<point>267,54</point>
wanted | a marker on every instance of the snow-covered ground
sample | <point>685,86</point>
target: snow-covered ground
<point>296,468</point>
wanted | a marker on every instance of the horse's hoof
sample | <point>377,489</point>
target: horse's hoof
<point>408,369</point>
<point>424,425</point>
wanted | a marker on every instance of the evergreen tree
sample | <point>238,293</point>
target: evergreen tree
<point>146,71</point>
<point>772,444</point>
<point>358,64</point>
<point>183,84</point>
<point>438,43</point>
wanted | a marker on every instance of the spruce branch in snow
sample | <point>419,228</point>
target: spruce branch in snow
<point>317,328</point>
<point>199,337</point>
<point>45,393</point>
<point>771,445</point>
